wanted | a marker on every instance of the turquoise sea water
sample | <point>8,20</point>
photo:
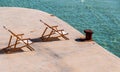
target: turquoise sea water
<point>102,16</point>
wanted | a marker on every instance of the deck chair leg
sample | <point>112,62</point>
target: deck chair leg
<point>49,35</point>
<point>30,48</point>
<point>65,37</point>
<point>44,31</point>
<point>16,43</point>
<point>9,41</point>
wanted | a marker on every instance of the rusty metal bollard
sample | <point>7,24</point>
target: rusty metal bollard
<point>88,34</point>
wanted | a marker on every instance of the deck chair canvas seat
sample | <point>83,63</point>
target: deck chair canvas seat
<point>62,32</point>
<point>18,40</point>
<point>54,30</point>
<point>28,41</point>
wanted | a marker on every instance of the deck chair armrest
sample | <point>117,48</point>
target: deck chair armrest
<point>61,30</point>
<point>20,34</point>
<point>55,26</point>
<point>26,39</point>
<point>48,34</point>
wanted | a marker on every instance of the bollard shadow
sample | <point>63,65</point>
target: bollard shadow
<point>80,39</point>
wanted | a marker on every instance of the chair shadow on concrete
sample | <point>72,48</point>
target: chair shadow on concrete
<point>36,40</point>
<point>39,39</point>
<point>10,50</point>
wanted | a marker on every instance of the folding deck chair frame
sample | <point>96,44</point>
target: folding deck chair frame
<point>19,40</point>
<point>54,30</point>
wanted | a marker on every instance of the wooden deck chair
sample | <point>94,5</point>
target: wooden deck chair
<point>19,39</point>
<point>54,30</point>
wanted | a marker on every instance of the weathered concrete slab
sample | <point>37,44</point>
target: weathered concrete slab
<point>53,56</point>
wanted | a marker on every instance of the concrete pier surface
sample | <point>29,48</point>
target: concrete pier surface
<point>52,56</point>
